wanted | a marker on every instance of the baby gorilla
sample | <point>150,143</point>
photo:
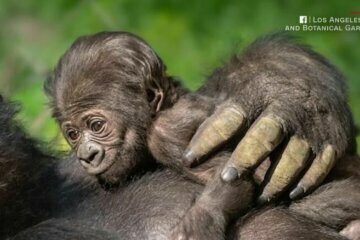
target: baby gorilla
<point>116,105</point>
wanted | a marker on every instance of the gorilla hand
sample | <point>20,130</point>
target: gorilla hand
<point>265,134</point>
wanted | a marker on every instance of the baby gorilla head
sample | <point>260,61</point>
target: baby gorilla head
<point>105,90</point>
<point>96,137</point>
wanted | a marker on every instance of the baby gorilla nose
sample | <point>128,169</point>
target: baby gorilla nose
<point>90,154</point>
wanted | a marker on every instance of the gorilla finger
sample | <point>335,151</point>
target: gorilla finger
<point>292,162</point>
<point>317,172</point>
<point>214,131</point>
<point>259,141</point>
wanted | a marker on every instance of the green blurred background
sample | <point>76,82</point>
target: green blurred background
<point>192,37</point>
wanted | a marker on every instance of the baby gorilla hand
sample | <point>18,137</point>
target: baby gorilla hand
<point>215,207</point>
<point>264,135</point>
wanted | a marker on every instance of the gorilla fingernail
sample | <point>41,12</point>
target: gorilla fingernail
<point>189,158</point>
<point>263,199</point>
<point>229,174</point>
<point>297,192</point>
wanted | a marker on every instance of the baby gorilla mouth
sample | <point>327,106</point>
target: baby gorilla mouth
<point>94,158</point>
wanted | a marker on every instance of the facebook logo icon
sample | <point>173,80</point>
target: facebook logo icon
<point>303,19</point>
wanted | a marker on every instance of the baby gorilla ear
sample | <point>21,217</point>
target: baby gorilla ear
<point>155,97</point>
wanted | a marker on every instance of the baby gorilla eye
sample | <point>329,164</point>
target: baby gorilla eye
<point>73,134</point>
<point>97,125</point>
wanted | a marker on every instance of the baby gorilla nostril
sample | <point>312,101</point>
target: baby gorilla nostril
<point>90,153</point>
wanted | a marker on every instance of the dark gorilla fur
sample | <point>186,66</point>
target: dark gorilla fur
<point>51,199</point>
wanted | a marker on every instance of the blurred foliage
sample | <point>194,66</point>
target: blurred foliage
<point>191,37</point>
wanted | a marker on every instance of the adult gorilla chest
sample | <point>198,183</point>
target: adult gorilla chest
<point>147,208</point>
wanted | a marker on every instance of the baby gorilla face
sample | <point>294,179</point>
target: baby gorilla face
<point>103,146</point>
